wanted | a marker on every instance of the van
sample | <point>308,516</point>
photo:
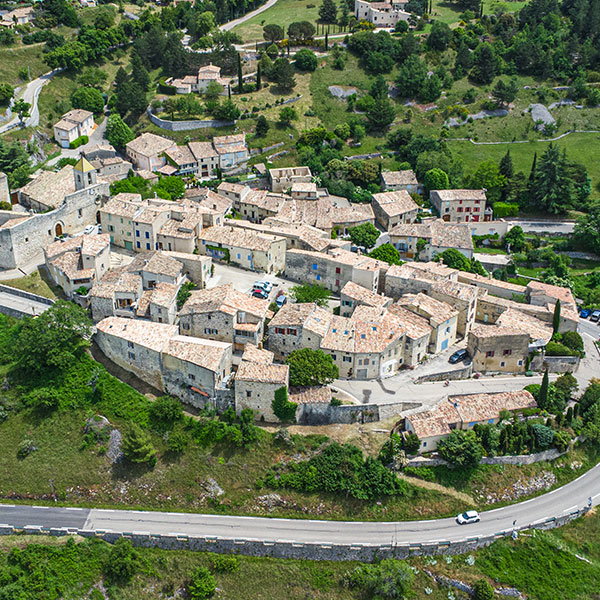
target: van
<point>595,316</point>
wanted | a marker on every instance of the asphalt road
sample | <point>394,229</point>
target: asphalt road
<point>553,504</point>
<point>22,305</point>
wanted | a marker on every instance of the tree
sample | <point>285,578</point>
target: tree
<point>139,72</point>
<point>310,292</point>
<point>165,412</point>
<point>287,114</point>
<point>122,561</point>
<point>258,77</point>
<point>553,188</point>
<point>515,239</point>
<point>411,77</point>
<point>240,74</point>
<point>382,114</point>
<point>227,111</point>
<point>455,259</point>
<point>556,318</point>
<point>71,56</point>
<point>311,367</point>
<point>55,339</point>
<point>328,12</point>
<point>93,77</point>
<point>461,448</point>
<point>273,33</point>
<point>387,253</point>
<point>505,93</point>
<point>482,590</point>
<point>87,98</point>
<point>436,179</point>
<point>262,126</point>
<point>485,63</point>
<point>542,399</point>
<point>283,409</point>
<point>506,167</point>
<point>6,93</point>
<point>283,74</point>
<point>364,235</point>
<point>21,108</point>
<point>137,446</point>
<point>202,585</point>
<point>104,19</point>
<point>587,230</point>
<point>379,87</point>
<point>487,175</point>
<point>306,60</point>
<point>439,36</point>
<point>118,133</point>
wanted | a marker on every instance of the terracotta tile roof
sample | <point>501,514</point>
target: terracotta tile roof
<point>181,155</point>
<point>239,238</point>
<point>309,316</point>
<point>450,195</point>
<point>12,222</point>
<point>207,354</point>
<point>479,280</point>
<point>395,203</point>
<point>526,323</point>
<point>460,291</point>
<point>50,188</point>
<point>149,144</point>
<point>263,373</point>
<point>202,150</point>
<point>257,355</point>
<point>415,327</point>
<point>363,295</point>
<point>224,298</point>
<point>436,311</point>
<point>124,205</point>
<point>184,229</point>
<point>157,262</point>
<point>437,232</point>
<point>154,336</point>
<point>70,264</point>
<point>302,187</point>
<point>537,288</point>
<point>490,331</point>
<point>407,177</point>
<point>164,294</point>
<point>310,395</point>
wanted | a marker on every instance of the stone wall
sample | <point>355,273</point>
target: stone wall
<point>322,413</point>
<point>463,373</point>
<point>186,125</point>
<point>555,364</point>
<point>24,294</point>
<point>290,549</point>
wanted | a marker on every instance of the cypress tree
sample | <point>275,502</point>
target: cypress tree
<point>506,166</point>
<point>570,415</point>
<point>258,77</point>
<point>543,395</point>
<point>240,78</point>
<point>556,318</point>
<point>326,41</point>
<point>533,167</point>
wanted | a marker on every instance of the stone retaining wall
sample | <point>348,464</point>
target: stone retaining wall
<point>463,373</point>
<point>289,549</point>
<point>24,294</point>
<point>555,364</point>
<point>323,413</point>
<point>186,125</point>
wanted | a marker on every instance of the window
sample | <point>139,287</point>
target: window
<point>192,376</point>
<point>502,364</point>
<point>248,394</point>
<point>131,355</point>
<point>239,257</point>
<point>337,271</point>
<point>291,332</point>
<point>137,233</point>
<point>489,354</point>
<point>79,213</point>
<point>249,256</point>
<point>185,325</point>
<point>318,278</point>
<point>209,331</point>
<point>507,352</point>
<point>147,235</point>
<point>459,209</point>
<point>346,359</point>
<point>314,266</point>
<point>147,246</point>
<point>130,344</point>
<point>334,357</point>
<point>137,245</point>
<point>520,363</point>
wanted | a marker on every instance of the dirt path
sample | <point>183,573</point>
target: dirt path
<point>430,485</point>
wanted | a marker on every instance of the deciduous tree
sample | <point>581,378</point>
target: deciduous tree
<point>311,367</point>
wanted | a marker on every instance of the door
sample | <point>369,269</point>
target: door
<point>445,345</point>
<point>361,374</point>
<point>58,230</point>
<point>128,245</point>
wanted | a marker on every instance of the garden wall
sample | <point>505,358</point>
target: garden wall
<point>555,364</point>
<point>290,549</point>
<point>463,373</point>
<point>186,125</point>
<point>323,413</point>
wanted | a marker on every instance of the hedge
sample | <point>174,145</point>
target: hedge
<point>503,209</point>
<point>80,141</point>
<point>165,88</point>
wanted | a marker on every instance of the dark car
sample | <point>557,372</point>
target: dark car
<point>585,313</point>
<point>259,293</point>
<point>458,356</point>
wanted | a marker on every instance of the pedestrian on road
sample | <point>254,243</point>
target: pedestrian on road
<point>515,523</point>
<point>590,502</point>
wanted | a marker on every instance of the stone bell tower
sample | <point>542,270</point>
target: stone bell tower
<point>85,174</point>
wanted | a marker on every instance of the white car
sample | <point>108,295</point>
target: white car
<point>265,285</point>
<point>470,516</point>
<point>89,229</point>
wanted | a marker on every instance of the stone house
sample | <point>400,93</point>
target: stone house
<point>258,205</point>
<point>117,216</point>
<point>256,381</point>
<point>282,179</point>
<point>157,267</point>
<point>495,287</point>
<point>463,298</point>
<point>335,268</point>
<point>73,125</point>
<point>304,190</point>
<point>461,206</point>
<point>199,83</point>
<point>440,316</point>
<point>353,295</point>
<point>382,14</point>
<point>415,277</point>
<point>394,181</point>
<point>463,412</point>
<point>393,208</point>
<point>212,206</point>
<point>437,236</point>
<point>147,224</point>
<point>417,334</point>
<point>222,313</point>
<point>195,158</point>
<point>196,268</point>
<point>18,16</point>
<point>540,294</point>
<point>253,251</point>
<point>189,368</point>
<point>498,349</point>
<point>232,150</point>
<point>180,232</point>
<point>78,262</point>
<point>68,201</point>
<point>147,151</point>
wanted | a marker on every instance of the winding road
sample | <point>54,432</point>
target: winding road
<point>557,503</point>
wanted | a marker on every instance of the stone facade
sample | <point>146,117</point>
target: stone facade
<point>460,206</point>
<point>498,349</point>
<point>381,14</point>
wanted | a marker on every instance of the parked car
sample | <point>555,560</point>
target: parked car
<point>458,356</point>
<point>263,284</point>
<point>89,229</point>
<point>281,300</point>
<point>471,516</point>
<point>259,293</point>
<point>585,313</point>
<point>595,316</point>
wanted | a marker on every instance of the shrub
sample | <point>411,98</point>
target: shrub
<point>43,398</point>
<point>177,442</point>
<point>284,410</point>
<point>561,440</point>
<point>504,209</point>
<point>165,412</point>
<point>225,564</point>
<point>461,448</point>
<point>573,341</point>
<point>137,446</point>
<point>306,60</point>
<point>80,141</point>
<point>558,349</point>
<point>311,367</point>
<point>26,447</point>
<point>202,584</point>
<point>387,580</point>
<point>482,590</point>
<point>121,562</point>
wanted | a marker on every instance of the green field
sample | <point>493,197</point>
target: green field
<point>13,59</point>
<point>283,13</point>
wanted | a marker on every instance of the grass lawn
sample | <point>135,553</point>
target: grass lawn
<point>13,59</point>
<point>283,13</point>
<point>486,250</point>
<point>34,283</point>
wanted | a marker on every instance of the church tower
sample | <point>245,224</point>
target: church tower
<point>85,174</point>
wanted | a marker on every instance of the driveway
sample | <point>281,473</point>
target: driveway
<point>97,137</point>
<point>229,26</point>
<point>31,95</point>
